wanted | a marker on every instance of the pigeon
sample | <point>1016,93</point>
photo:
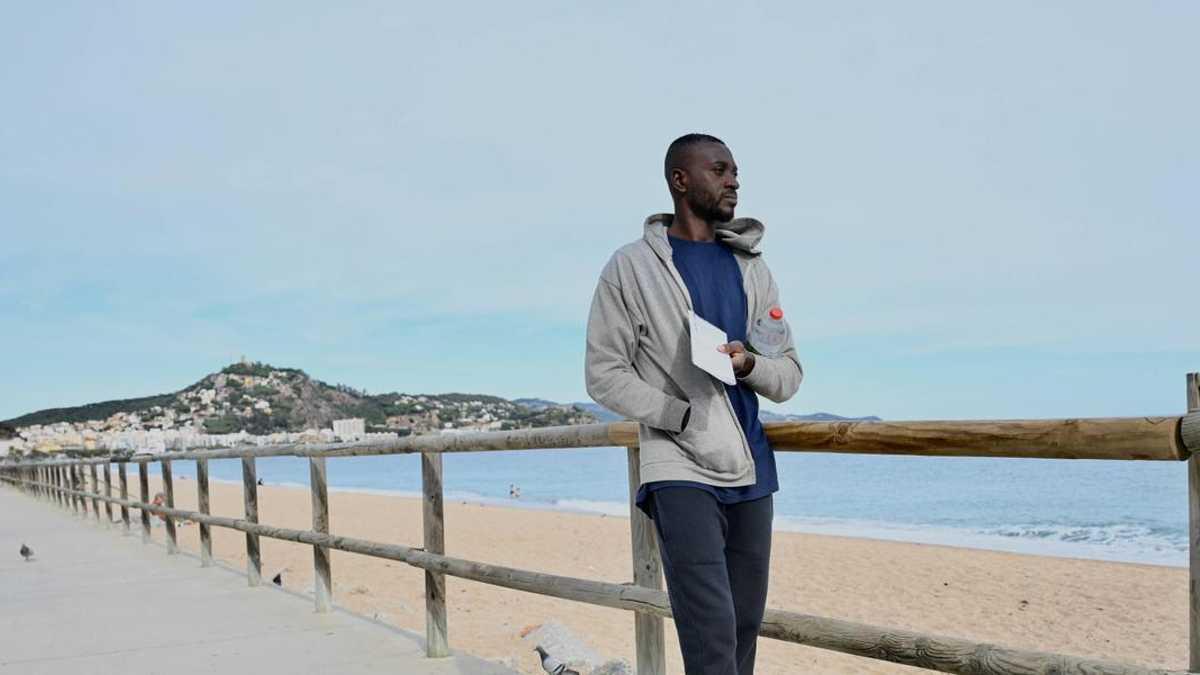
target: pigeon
<point>277,579</point>
<point>552,665</point>
<point>26,553</point>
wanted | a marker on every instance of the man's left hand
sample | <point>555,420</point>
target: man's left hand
<point>743,361</point>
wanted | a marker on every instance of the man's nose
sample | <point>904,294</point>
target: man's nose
<point>733,183</point>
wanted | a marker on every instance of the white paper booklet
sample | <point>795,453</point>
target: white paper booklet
<point>705,340</point>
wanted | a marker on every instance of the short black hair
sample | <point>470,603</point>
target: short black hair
<point>679,145</point>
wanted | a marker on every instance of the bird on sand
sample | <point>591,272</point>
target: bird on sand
<point>26,553</point>
<point>277,579</point>
<point>552,665</point>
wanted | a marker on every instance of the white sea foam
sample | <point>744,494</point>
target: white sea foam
<point>1115,543</point>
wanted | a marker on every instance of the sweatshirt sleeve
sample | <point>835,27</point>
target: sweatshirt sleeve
<point>611,378</point>
<point>776,378</point>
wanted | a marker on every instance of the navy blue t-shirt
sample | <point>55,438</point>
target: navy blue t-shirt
<point>715,283</point>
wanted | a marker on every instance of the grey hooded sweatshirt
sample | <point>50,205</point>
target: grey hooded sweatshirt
<point>639,361</point>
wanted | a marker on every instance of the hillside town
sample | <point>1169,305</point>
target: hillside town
<point>252,403</point>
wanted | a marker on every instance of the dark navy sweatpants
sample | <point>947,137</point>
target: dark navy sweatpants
<point>715,560</point>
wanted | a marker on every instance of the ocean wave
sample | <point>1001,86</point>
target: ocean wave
<point>1116,541</point>
<point>1157,538</point>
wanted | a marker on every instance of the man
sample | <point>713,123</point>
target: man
<point>707,470</point>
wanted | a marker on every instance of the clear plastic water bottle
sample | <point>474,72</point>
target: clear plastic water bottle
<point>769,334</point>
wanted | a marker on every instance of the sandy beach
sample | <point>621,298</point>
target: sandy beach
<point>1119,611</point>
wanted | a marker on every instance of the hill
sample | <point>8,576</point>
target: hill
<point>259,398</point>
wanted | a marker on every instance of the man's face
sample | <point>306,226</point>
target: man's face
<point>712,182</point>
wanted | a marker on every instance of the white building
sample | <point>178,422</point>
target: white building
<point>350,429</point>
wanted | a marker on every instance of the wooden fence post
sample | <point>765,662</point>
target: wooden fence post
<point>124,481</point>
<point>1193,405</point>
<point>95,491</point>
<point>77,485</point>
<point>69,484</point>
<point>56,479</point>
<point>108,511</point>
<point>647,572</point>
<point>77,470</point>
<point>322,574</point>
<point>83,487</point>
<point>169,501</point>
<point>250,495</point>
<point>206,559</point>
<point>144,488</point>
<point>433,526</point>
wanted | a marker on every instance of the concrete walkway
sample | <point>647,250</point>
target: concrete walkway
<point>95,601</point>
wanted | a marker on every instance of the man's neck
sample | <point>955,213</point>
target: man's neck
<point>687,225</point>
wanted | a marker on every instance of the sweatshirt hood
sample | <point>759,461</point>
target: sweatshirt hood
<point>740,234</point>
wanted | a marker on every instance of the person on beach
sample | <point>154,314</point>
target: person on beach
<point>160,499</point>
<point>707,471</point>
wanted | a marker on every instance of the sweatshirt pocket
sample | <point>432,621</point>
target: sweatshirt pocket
<point>711,440</point>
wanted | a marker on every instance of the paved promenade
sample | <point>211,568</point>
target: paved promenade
<point>97,602</point>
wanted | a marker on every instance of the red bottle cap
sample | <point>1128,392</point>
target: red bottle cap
<point>776,313</point>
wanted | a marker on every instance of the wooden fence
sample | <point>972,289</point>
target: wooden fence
<point>1141,438</point>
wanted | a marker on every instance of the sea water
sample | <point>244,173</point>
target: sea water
<point>1101,509</point>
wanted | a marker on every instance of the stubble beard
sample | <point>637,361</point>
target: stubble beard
<point>709,208</point>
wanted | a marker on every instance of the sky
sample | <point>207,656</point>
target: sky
<point>971,211</point>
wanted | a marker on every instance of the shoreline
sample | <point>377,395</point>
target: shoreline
<point>925,535</point>
<point>1125,612</point>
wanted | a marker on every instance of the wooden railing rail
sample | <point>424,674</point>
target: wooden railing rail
<point>1127,438</point>
<point>1141,438</point>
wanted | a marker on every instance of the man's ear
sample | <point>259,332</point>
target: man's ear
<point>679,180</point>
